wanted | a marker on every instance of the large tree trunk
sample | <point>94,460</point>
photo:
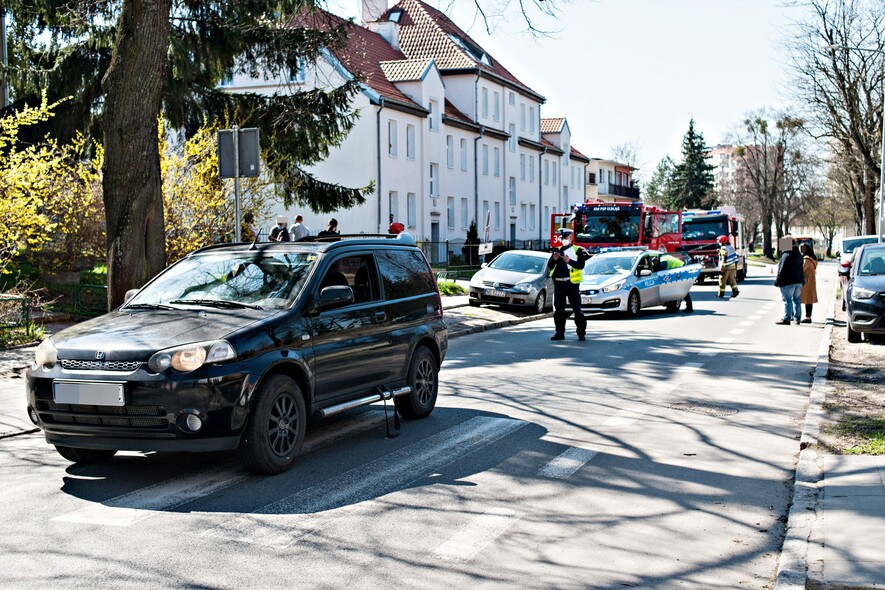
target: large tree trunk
<point>766,234</point>
<point>131,176</point>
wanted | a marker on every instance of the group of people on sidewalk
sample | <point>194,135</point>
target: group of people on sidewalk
<point>281,231</point>
<point>796,278</point>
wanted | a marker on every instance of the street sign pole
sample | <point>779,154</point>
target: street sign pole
<point>237,228</point>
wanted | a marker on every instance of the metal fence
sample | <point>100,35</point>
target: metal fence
<point>13,311</point>
<point>457,257</point>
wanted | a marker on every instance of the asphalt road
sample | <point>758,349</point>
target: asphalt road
<point>658,454</point>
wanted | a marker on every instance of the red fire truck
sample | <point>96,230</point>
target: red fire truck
<point>598,225</point>
<point>701,228</point>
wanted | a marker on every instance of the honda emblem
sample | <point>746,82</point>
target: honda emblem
<point>99,355</point>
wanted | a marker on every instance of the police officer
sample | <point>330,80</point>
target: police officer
<point>728,260</point>
<point>669,261</point>
<point>566,266</point>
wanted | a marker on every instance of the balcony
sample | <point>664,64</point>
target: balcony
<point>618,191</point>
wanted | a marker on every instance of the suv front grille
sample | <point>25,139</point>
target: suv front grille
<point>153,417</point>
<point>124,366</point>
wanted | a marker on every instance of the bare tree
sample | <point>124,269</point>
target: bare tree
<point>838,65</point>
<point>629,153</point>
<point>489,14</point>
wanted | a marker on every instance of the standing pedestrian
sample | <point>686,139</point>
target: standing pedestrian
<point>331,229</point>
<point>728,260</point>
<point>565,266</point>
<point>248,233</point>
<point>280,233</point>
<point>669,261</point>
<point>809,289</point>
<point>790,279</point>
<point>299,230</point>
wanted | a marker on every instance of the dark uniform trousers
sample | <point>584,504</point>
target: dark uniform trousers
<point>565,290</point>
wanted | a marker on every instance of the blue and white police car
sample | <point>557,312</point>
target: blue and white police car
<point>627,280</point>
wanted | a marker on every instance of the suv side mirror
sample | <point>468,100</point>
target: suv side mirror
<point>335,296</point>
<point>844,271</point>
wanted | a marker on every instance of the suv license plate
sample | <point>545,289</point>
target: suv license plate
<point>89,393</point>
<point>495,293</point>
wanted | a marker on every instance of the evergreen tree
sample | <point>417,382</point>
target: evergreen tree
<point>692,182</point>
<point>658,186</point>
<point>126,60</point>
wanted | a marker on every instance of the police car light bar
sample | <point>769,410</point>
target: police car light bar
<point>622,249</point>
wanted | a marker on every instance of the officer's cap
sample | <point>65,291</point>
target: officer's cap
<point>564,231</point>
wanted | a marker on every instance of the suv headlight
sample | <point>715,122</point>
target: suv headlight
<point>858,293</point>
<point>191,357</point>
<point>614,287</point>
<point>522,287</point>
<point>46,355</point>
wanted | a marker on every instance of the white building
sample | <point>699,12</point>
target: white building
<point>445,133</point>
<point>611,182</point>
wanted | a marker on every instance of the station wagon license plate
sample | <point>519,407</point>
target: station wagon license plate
<point>89,393</point>
<point>495,293</point>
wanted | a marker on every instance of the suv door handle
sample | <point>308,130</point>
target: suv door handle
<point>380,316</point>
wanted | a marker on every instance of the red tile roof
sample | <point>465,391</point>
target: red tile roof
<point>425,32</point>
<point>452,112</point>
<point>578,155</point>
<point>405,70</point>
<point>552,124</point>
<point>551,146</point>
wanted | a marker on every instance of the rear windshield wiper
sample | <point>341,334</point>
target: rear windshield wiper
<point>222,303</point>
<point>147,306</point>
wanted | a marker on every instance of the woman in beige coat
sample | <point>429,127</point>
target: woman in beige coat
<point>809,289</point>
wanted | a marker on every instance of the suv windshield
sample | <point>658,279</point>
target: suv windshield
<point>519,263</point>
<point>230,280</point>
<point>873,262</point>
<point>703,230</point>
<point>609,265</point>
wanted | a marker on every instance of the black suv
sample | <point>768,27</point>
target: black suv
<point>237,346</point>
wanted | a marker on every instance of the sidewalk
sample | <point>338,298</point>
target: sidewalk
<point>836,528</point>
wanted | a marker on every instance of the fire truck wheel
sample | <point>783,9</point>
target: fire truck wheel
<point>634,304</point>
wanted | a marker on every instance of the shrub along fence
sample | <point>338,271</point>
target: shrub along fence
<point>460,260</point>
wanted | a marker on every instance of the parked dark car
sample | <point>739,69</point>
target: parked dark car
<point>846,256</point>
<point>237,346</point>
<point>865,292</point>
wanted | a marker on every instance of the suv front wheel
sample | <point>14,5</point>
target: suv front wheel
<point>276,427</point>
<point>423,378</point>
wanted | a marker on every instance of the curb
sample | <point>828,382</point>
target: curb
<point>792,572</point>
<point>499,324</point>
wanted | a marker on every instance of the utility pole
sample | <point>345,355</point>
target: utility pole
<point>4,92</point>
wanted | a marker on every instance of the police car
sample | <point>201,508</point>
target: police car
<point>627,280</point>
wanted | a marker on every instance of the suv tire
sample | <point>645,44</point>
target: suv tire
<point>853,336</point>
<point>276,427</point>
<point>423,378</point>
<point>85,456</point>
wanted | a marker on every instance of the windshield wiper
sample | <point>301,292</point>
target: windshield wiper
<point>221,303</point>
<point>147,306</point>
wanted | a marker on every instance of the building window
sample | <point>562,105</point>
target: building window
<point>410,209</point>
<point>512,191</point>
<point>523,213</point>
<point>531,170</point>
<point>434,180</point>
<point>450,212</point>
<point>546,174</point>
<point>497,215</point>
<point>522,116</point>
<point>434,115</point>
<point>512,98</point>
<point>511,143</point>
<point>393,204</point>
<point>485,103</point>
<point>484,220</point>
<point>496,106</point>
<point>522,167</point>
<point>410,142</point>
<point>485,159</point>
<point>464,212</point>
<point>450,151</point>
<point>555,168</point>
<point>497,161</point>
<point>391,137</point>
<point>531,119</point>
<point>531,217</point>
<point>296,74</point>
<point>463,154</point>
<point>545,222</point>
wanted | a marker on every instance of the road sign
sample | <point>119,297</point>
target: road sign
<point>485,248</point>
<point>244,153</point>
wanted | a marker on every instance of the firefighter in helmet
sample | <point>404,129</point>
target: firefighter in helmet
<point>728,260</point>
<point>566,267</point>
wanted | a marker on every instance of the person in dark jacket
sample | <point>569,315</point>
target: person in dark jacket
<point>331,229</point>
<point>790,278</point>
<point>565,267</point>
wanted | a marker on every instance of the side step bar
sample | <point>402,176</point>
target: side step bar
<point>383,394</point>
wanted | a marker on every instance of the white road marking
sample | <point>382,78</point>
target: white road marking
<point>662,388</point>
<point>386,474</point>
<point>737,331</point>
<point>725,340</point>
<point>135,506</point>
<point>756,317</point>
<point>563,466</point>
<point>690,367</point>
<point>477,534</point>
<point>708,353</point>
<point>746,324</point>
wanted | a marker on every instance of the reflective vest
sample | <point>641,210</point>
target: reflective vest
<point>727,256</point>
<point>671,261</point>
<point>575,274</point>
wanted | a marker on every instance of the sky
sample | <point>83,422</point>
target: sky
<point>636,71</point>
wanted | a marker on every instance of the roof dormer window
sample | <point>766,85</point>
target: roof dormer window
<point>394,16</point>
<point>474,51</point>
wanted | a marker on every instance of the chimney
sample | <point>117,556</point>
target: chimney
<point>373,9</point>
<point>388,30</point>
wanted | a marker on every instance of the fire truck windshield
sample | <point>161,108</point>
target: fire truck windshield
<point>694,229</point>
<point>609,227</point>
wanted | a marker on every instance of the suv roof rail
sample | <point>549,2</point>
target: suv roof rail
<point>403,237</point>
